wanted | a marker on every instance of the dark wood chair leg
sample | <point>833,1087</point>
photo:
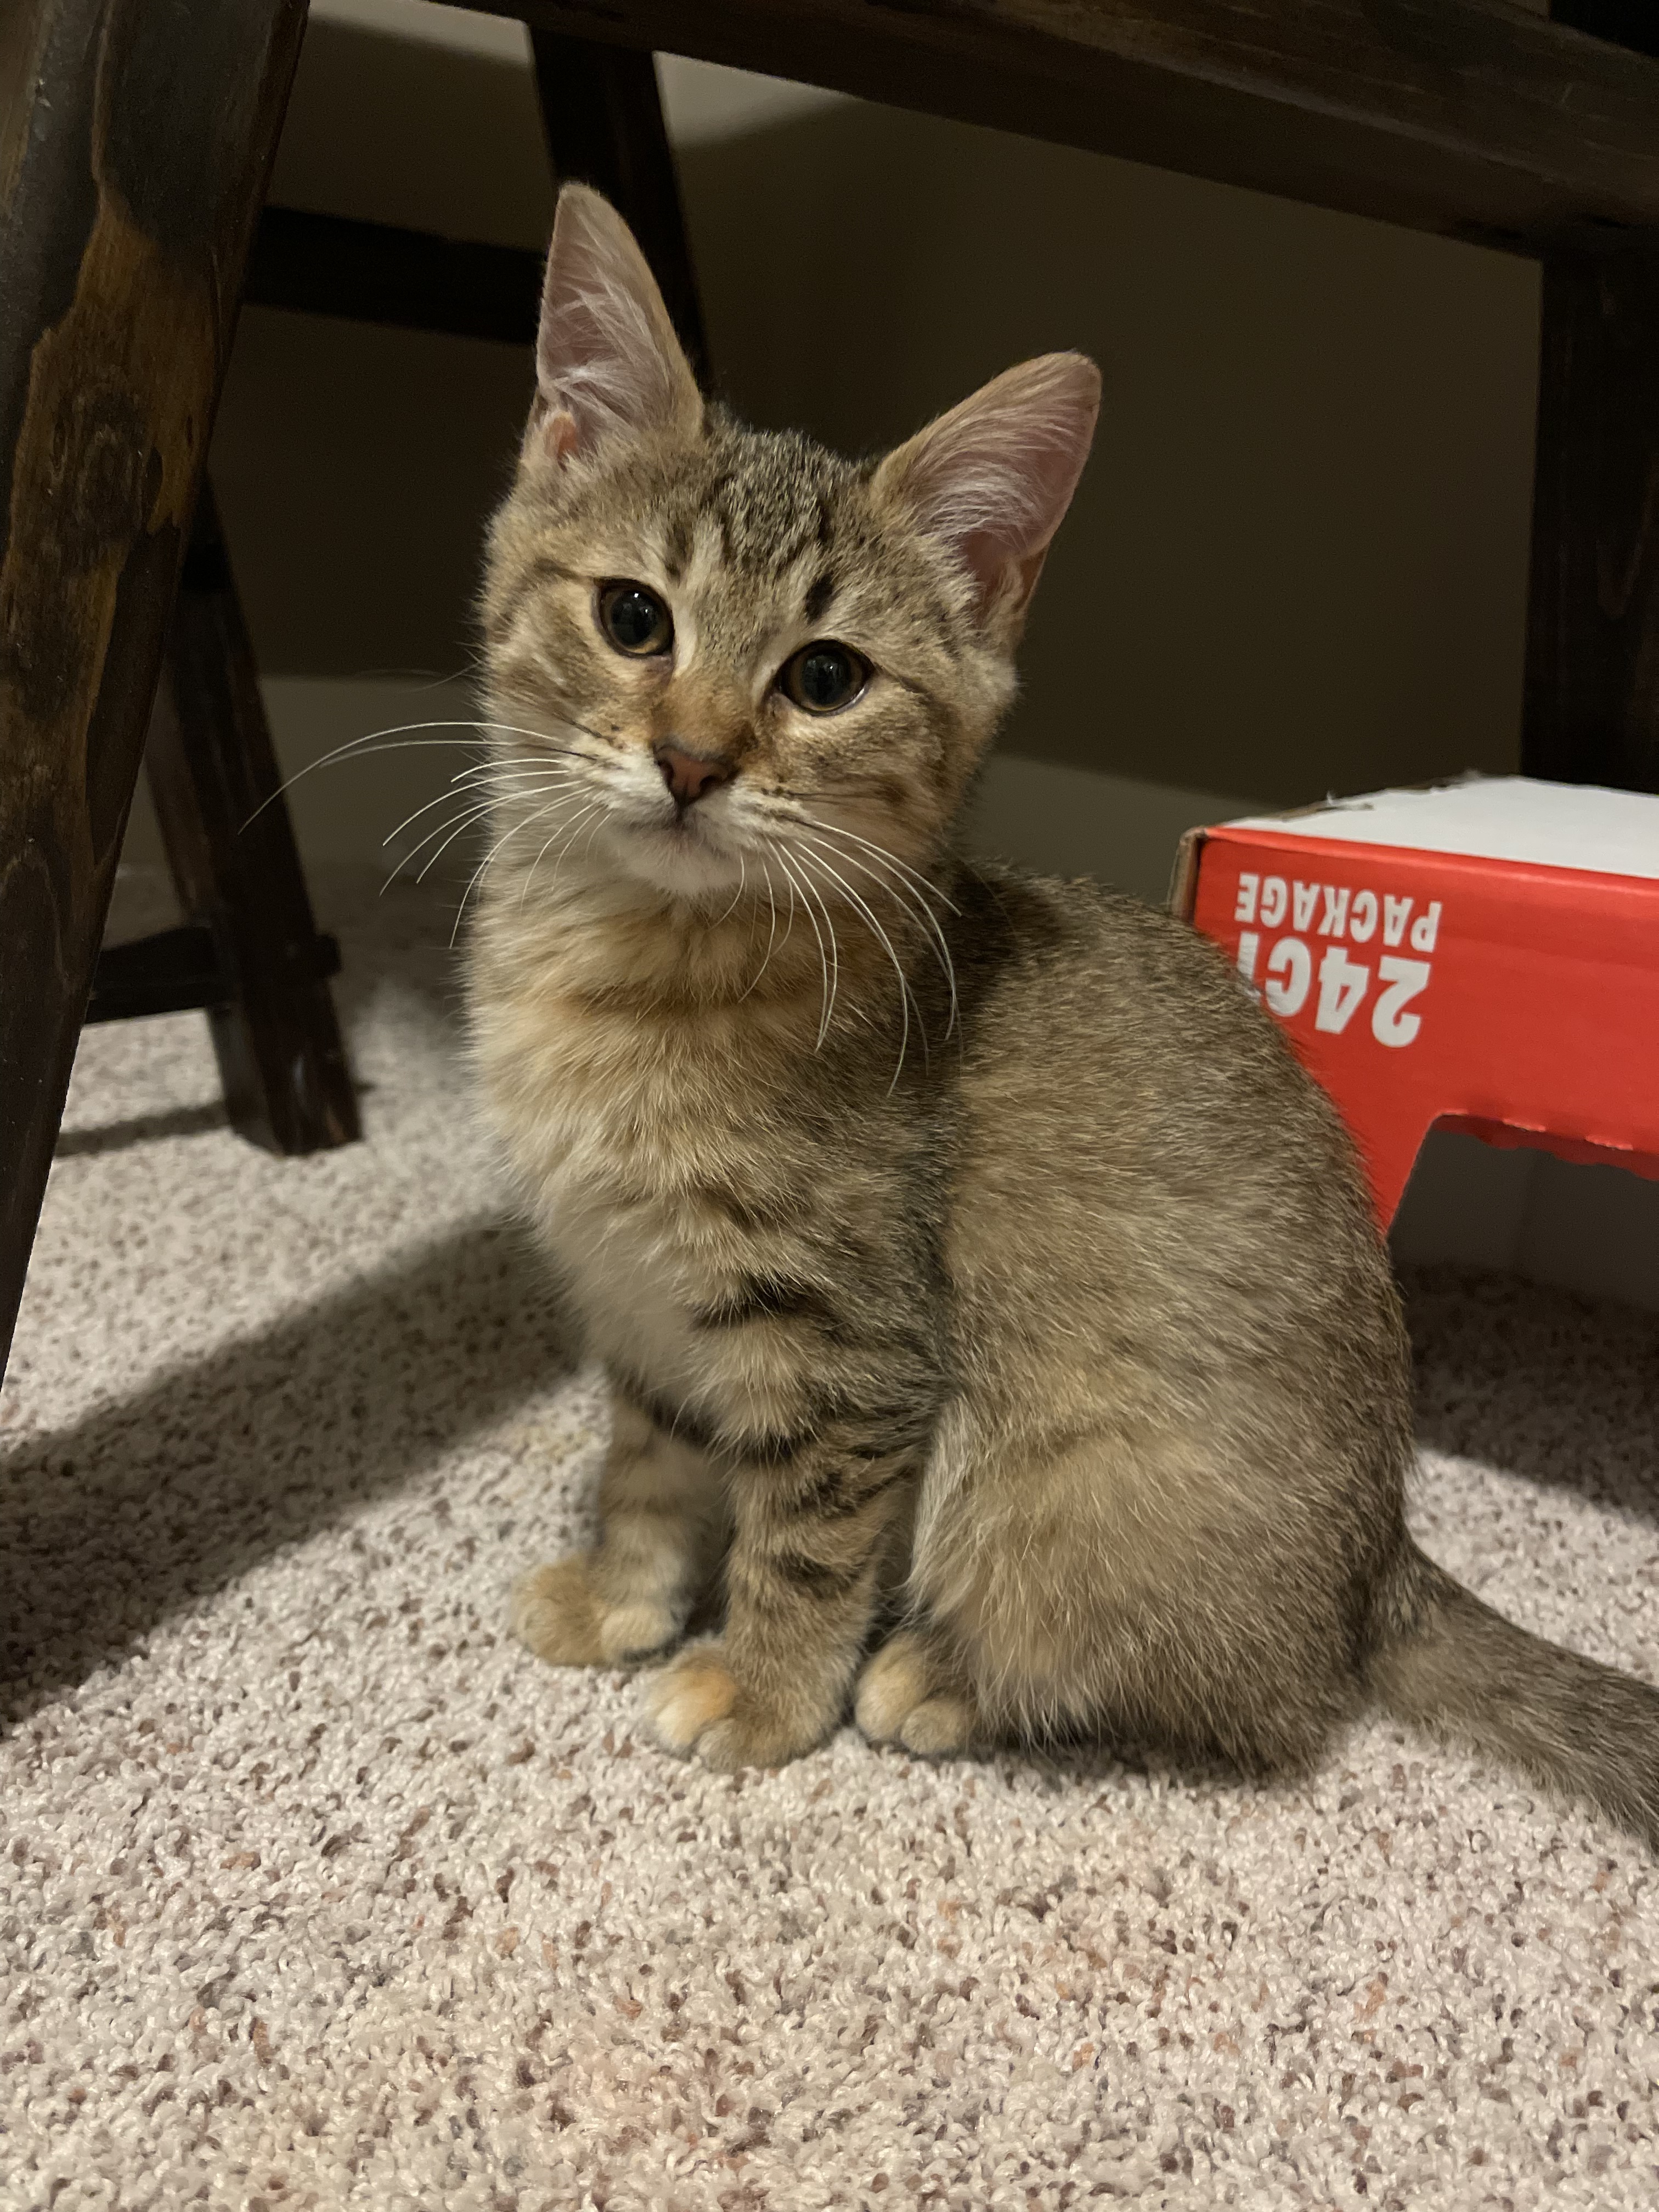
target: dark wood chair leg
<point>135,143</point>
<point>230,845</point>
<point>1592,696</point>
<point>1592,689</point>
<point>604,128</point>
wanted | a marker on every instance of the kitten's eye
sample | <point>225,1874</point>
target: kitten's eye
<point>824,677</point>
<point>634,619</point>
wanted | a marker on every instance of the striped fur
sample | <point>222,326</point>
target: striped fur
<point>994,1316</point>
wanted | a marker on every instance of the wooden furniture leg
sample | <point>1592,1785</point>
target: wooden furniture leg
<point>135,143</point>
<point>604,128</point>
<point>230,845</point>
<point>1592,694</point>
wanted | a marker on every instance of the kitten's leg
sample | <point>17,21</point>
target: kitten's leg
<point>911,1693</point>
<point>808,1559</point>
<point>661,1520</point>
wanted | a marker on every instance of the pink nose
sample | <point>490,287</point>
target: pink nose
<point>687,775</point>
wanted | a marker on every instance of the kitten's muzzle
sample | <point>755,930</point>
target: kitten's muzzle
<point>689,775</point>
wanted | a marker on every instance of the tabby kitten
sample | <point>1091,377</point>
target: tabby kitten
<point>989,1300</point>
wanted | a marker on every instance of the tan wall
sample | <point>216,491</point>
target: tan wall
<point>1297,561</point>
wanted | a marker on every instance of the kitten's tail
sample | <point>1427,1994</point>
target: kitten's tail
<point>1446,1663</point>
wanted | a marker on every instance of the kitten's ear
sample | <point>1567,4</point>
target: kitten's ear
<point>995,477</point>
<point>606,356</point>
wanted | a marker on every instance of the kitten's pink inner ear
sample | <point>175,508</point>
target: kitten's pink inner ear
<point>607,361</point>
<point>993,478</point>
<point>559,434</point>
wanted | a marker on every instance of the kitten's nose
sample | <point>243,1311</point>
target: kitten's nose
<point>688,775</point>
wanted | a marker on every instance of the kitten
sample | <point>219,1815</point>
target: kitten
<point>987,1297</point>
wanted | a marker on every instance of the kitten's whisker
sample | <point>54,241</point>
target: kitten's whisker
<point>557,834</point>
<point>377,738</point>
<point>444,798</point>
<point>899,892</point>
<point>542,737</point>
<point>881,852</point>
<point>789,925</point>
<point>815,897</point>
<point>481,770</point>
<point>570,844</point>
<point>394,738</point>
<point>771,934</point>
<point>914,886</point>
<point>562,722</point>
<point>908,906</point>
<point>829,988</point>
<point>473,807</point>
<point>789,921</point>
<point>886,943</point>
<point>597,763</point>
<point>454,823</point>
<point>742,878</point>
<point>394,731</point>
<point>908,903</point>
<point>445,795</point>
<point>477,875</point>
<point>455,827</point>
<point>910,884</point>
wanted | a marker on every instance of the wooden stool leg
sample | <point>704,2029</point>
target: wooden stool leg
<point>134,149</point>
<point>604,128</point>
<point>1592,697</point>
<point>230,844</point>
<point>1592,694</point>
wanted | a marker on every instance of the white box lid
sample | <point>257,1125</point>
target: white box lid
<point>1500,817</point>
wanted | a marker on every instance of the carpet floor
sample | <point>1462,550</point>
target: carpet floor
<point>316,1890</point>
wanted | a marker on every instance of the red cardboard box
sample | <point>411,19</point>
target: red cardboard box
<point>1482,956</point>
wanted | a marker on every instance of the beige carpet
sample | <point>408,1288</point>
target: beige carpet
<point>314,1890</point>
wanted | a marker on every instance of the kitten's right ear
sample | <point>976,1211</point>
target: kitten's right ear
<point>607,360</point>
<point>991,480</point>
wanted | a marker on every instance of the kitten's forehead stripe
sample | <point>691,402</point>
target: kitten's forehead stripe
<point>677,548</point>
<point>720,510</point>
<point>773,496</point>
<point>819,592</point>
<point>799,538</point>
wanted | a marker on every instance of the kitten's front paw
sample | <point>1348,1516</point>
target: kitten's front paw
<point>556,1611</point>
<point>697,1703</point>
<point>901,1699</point>
<point>692,1694</point>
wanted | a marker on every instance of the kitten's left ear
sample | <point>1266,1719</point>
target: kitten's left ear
<point>607,360</point>
<point>994,479</point>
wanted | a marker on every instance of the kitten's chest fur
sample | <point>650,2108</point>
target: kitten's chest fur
<point>666,1152</point>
